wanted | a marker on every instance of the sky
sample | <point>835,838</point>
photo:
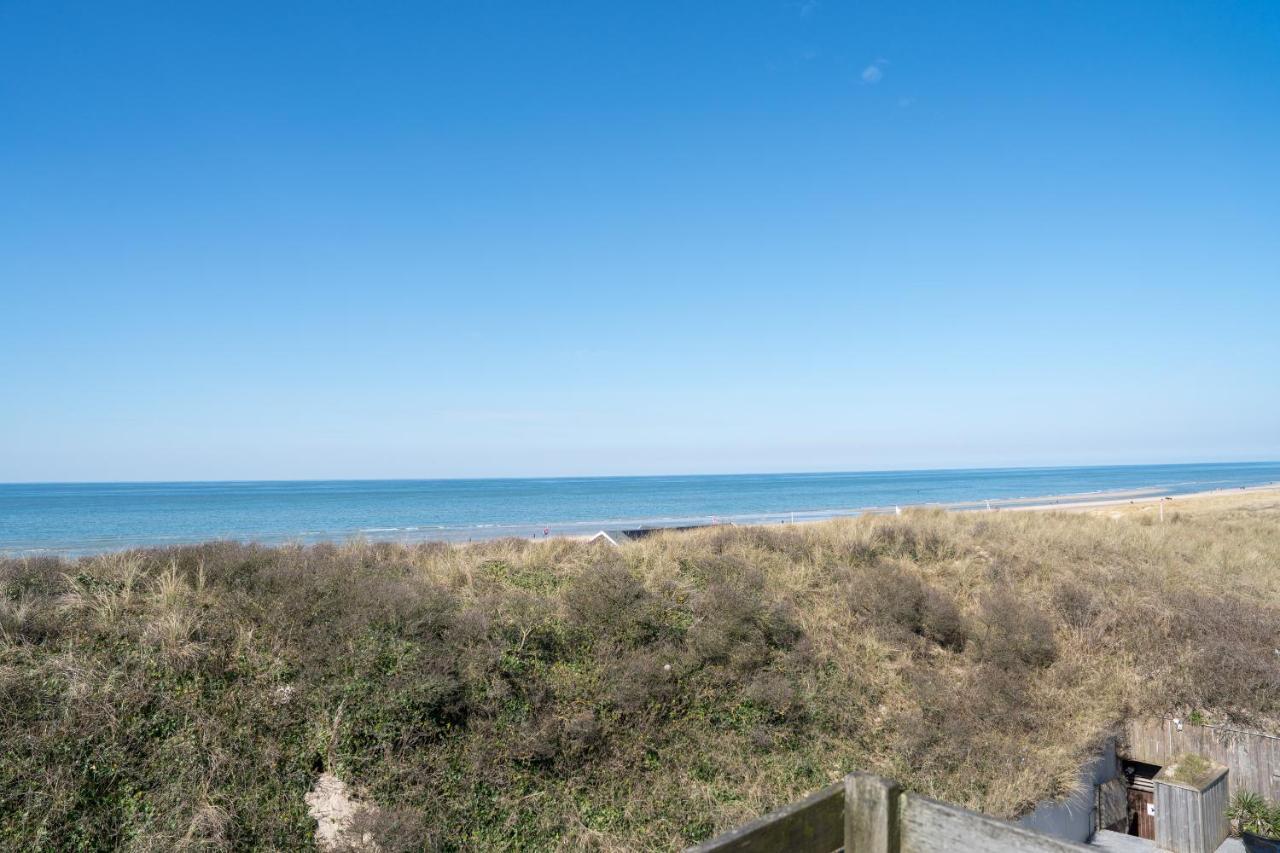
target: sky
<point>347,240</point>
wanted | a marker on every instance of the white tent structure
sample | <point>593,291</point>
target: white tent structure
<point>613,537</point>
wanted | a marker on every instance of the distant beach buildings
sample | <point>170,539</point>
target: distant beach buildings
<point>614,537</point>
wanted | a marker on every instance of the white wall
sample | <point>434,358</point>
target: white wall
<point>1072,818</point>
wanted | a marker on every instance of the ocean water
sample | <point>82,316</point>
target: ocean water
<point>79,518</point>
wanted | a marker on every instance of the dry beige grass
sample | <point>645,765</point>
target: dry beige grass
<point>566,695</point>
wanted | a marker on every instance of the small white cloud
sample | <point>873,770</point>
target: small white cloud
<point>808,7</point>
<point>497,416</point>
<point>906,102</point>
<point>873,72</point>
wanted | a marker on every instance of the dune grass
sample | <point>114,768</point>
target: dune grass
<point>565,695</point>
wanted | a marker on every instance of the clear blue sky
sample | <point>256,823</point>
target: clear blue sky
<point>313,239</point>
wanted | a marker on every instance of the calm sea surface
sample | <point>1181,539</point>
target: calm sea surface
<point>75,518</point>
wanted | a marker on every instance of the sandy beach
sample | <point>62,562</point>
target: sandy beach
<point>1113,504</point>
<point>1147,503</point>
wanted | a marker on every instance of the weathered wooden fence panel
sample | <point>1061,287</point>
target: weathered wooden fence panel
<point>813,825</point>
<point>1252,758</point>
<point>929,826</point>
<point>868,814</point>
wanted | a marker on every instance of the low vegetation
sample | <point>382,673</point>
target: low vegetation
<point>566,695</point>
<point>1191,769</point>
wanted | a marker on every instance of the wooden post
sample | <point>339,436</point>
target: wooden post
<point>870,814</point>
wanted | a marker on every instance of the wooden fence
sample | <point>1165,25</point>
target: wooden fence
<point>869,814</point>
<point>1252,757</point>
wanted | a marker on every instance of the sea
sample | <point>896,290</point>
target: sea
<point>72,519</point>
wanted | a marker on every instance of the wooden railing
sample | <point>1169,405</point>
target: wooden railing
<point>869,814</point>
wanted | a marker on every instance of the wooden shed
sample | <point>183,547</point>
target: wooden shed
<point>1191,805</point>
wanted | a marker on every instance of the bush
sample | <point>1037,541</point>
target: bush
<point>1076,605</point>
<point>609,599</point>
<point>1227,648</point>
<point>903,605</point>
<point>1014,633</point>
<point>1250,812</point>
<point>736,626</point>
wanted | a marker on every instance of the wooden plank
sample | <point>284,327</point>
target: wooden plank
<point>928,826</point>
<point>1213,808</point>
<point>813,825</point>
<point>870,814</point>
<point>1178,824</point>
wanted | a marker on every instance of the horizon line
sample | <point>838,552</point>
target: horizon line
<point>908,470</point>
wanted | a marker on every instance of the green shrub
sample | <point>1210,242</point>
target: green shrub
<point>1251,812</point>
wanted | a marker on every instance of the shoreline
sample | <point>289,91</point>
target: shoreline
<point>1048,503</point>
<point>1145,496</point>
<point>1080,506</point>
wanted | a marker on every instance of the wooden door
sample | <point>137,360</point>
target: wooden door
<point>1142,811</point>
